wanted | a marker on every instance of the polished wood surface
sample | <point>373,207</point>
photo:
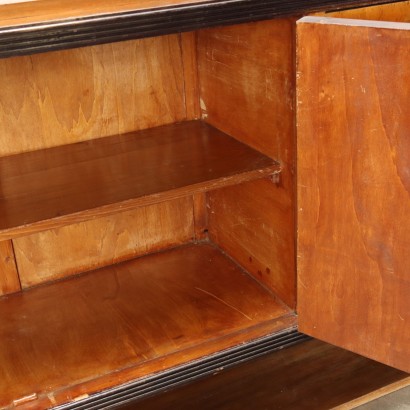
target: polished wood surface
<point>246,77</point>
<point>200,203</point>
<point>399,12</point>
<point>40,11</point>
<point>353,186</point>
<point>62,185</point>
<point>9,279</point>
<point>246,223</point>
<point>72,249</point>
<point>309,376</point>
<point>246,83</point>
<point>65,97</point>
<point>121,322</point>
<point>191,80</point>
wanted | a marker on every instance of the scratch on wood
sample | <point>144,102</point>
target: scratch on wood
<point>82,397</point>
<point>25,399</point>
<point>225,303</point>
<point>52,399</point>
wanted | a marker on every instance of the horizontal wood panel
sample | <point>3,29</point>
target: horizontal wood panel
<point>311,376</point>
<point>57,253</point>
<point>353,187</point>
<point>39,11</point>
<point>55,187</point>
<point>174,305</point>
<point>9,279</point>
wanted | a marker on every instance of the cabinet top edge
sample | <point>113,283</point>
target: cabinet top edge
<point>350,22</point>
<point>45,25</point>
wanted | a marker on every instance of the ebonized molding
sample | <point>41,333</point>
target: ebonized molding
<point>100,29</point>
<point>110,399</point>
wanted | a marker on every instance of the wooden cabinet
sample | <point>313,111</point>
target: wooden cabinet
<point>147,194</point>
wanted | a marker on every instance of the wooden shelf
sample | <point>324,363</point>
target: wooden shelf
<point>45,25</point>
<point>58,186</point>
<point>122,322</point>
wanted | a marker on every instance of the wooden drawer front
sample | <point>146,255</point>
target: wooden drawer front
<point>354,185</point>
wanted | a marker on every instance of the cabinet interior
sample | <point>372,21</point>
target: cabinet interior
<point>146,206</point>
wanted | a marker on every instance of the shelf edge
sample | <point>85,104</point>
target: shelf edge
<point>127,205</point>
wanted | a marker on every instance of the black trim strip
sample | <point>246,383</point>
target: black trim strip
<point>100,29</point>
<point>187,373</point>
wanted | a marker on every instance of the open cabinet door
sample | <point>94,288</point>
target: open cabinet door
<point>354,185</point>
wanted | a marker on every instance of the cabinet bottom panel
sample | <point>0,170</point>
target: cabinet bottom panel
<point>164,381</point>
<point>66,341</point>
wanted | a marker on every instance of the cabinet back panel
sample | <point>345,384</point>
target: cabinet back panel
<point>76,248</point>
<point>246,76</point>
<point>353,188</point>
<point>69,96</point>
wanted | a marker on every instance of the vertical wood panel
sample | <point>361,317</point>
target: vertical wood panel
<point>246,76</point>
<point>58,253</point>
<point>68,96</point>
<point>9,280</point>
<point>249,226</point>
<point>246,82</point>
<point>190,65</point>
<point>200,202</point>
<point>353,188</point>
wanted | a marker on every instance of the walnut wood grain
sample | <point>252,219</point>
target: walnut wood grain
<point>191,80</point>
<point>128,320</point>
<point>383,12</point>
<point>354,185</point>
<point>62,185</point>
<point>76,248</point>
<point>252,228</point>
<point>65,97</point>
<point>9,279</point>
<point>246,77</point>
<point>200,205</point>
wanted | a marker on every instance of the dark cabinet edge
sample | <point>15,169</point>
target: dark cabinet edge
<point>108,28</point>
<point>190,372</point>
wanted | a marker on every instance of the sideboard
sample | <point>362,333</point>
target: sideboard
<point>185,185</point>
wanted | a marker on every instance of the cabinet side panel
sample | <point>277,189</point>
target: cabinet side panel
<point>69,96</point>
<point>72,249</point>
<point>245,222</point>
<point>353,188</point>
<point>246,76</point>
<point>9,280</point>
